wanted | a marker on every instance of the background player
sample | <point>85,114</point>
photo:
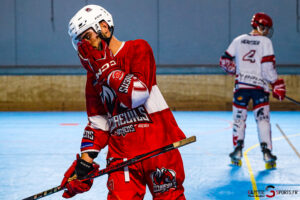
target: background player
<point>126,111</point>
<point>250,57</point>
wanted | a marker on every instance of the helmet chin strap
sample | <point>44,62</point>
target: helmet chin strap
<point>266,30</point>
<point>260,31</point>
<point>107,40</point>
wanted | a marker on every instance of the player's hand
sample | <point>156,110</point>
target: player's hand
<point>78,170</point>
<point>100,62</point>
<point>228,65</point>
<point>278,88</point>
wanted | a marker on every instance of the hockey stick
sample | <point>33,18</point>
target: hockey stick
<point>287,97</point>
<point>113,168</point>
<point>288,141</point>
<point>293,100</point>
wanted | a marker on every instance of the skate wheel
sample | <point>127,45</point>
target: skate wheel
<point>237,162</point>
<point>271,165</point>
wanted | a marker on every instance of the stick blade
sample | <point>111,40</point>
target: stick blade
<point>184,142</point>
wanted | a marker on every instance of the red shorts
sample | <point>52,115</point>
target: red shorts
<point>164,175</point>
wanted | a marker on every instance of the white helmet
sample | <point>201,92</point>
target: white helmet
<point>88,17</point>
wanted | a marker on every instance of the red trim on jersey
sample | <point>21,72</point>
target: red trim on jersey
<point>268,59</point>
<point>140,89</point>
<point>229,54</point>
<point>261,105</point>
<point>238,106</point>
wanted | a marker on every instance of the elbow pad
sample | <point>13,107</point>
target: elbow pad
<point>129,89</point>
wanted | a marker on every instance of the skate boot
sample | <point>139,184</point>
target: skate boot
<point>269,158</point>
<point>237,154</point>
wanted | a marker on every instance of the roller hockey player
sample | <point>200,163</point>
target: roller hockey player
<point>126,112</point>
<point>250,57</point>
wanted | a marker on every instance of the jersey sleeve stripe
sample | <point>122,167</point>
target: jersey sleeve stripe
<point>268,59</point>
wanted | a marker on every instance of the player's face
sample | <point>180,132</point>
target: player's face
<point>105,29</point>
<point>91,37</point>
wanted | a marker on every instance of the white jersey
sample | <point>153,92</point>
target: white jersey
<point>255,61</point>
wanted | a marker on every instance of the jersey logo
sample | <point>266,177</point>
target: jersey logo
<point>108,98</point>
<point>249,56</point>
<point>163,180</point>
<point>261,115</point>
<point>123,123</point>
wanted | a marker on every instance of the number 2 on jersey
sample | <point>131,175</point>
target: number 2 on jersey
<point>249,56</point>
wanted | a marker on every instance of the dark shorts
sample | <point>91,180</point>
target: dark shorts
<point>242,97</point>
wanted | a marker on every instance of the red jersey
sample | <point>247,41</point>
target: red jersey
<point>133,128</point>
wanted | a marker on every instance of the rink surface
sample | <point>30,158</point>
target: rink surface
<point>37,148</point>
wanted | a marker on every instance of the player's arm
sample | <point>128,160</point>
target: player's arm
<point>269,72</point>
<point>227,59</point>
<point>268,68</point>
<point>95,138</point>
<point>132,88</point>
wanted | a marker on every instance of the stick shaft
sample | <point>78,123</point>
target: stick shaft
<point>44,193</point>
<point>145,156</point>
<point>293,100</point>
<point>113,168</point>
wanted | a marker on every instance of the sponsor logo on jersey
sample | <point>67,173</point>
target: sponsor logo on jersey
<point>125,84</point>
<point>86,144</point>
<point>251,42</point>
<point>88,134</point>
<point>123,123</point>
<point>163,180</point>
<point>252,80</point>
<point>240,98</point>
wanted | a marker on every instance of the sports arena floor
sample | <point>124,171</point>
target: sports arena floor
<point>37,148</point>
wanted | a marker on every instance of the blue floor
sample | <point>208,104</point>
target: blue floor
<point>37,148</point>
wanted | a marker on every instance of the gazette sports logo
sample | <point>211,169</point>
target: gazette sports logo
<point>163,180</point>
<point>270,192</point>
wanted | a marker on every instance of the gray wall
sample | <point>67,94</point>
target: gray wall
<point>34,32</point>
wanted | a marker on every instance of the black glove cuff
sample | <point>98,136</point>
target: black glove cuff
<point>83,168</point>
<point>93,154</point>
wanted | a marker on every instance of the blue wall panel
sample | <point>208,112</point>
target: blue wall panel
<point>180,32</point>
<point>7,33</point>
<point>192,31</point>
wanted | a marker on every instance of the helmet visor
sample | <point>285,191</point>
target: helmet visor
<point>75,41</point>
